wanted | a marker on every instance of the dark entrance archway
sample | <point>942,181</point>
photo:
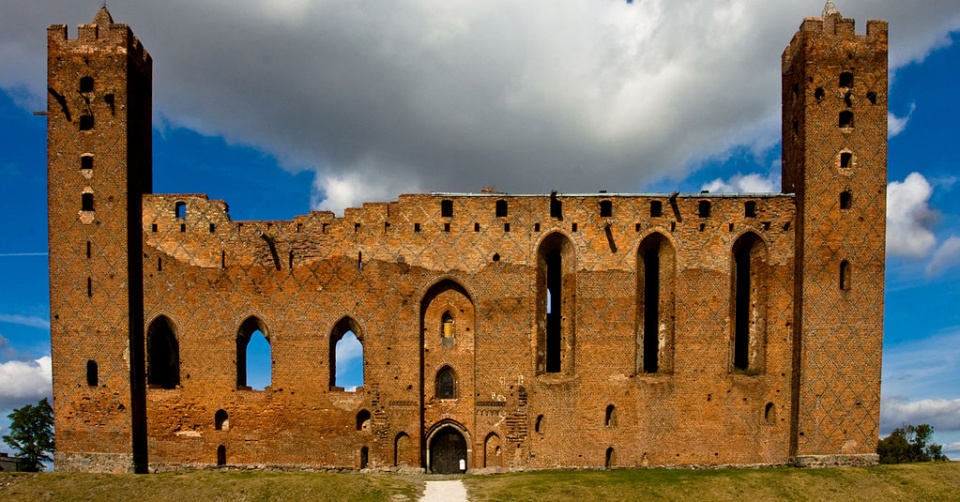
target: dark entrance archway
<point>447,448</point>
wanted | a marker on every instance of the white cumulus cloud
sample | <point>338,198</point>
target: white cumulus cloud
<point>740,183</point>
<point>909,218</point>
<point>942,414</point>
<point>896,125</point>
<point>24,382</point>
<point>456,95</point>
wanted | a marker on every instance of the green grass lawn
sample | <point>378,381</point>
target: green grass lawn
<point>930,481</point>
<point>940,481</point>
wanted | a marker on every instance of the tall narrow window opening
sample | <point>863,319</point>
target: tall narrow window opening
<point>446,208</point>
<point>86,122</point>
<point>656,208</point>
<point>846,200</point>
<point>846,160</point>
<point>655,279</point>
<point>556,207</point>
<point>750,209</point>
<point>86,84</point>
<point>254,362</point>
<point>86,162</point>
<point>556,277</point>
<point>846,80</point>
<point>748,303</point>
<point>221,455</point>
<point>346,356</point>
<point>163,355</point>
<point>446,385</point>
<point>181,210</point>
<point>364,457</point>
<point>610,417</point>
<point>703,209</point>
<point>93,374</point>
<point>844,275</point>
<point>86,202</point>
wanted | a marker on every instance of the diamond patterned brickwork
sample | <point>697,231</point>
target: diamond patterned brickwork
<point>839,352</point>
<point>98,104</point>
<point>395,270</point>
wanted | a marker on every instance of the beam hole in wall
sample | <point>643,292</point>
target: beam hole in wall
<point>221,421</point>
<point>153,227</point>
<point>416,227</point>
<point>183,227</point>
<point>496,256</point>
<point>818,94</point>
<point>769,413</point>
<point>538,425</point>
<point>213,228</point>
<point>88,249</point>
<point>89,287</point>
<point>506,227</point>
<point>845,273</point>
<point>476,227</point>
<point>93,373</point>
<point>446,227</point>
<point>872,97</point>
<point>846,200</point>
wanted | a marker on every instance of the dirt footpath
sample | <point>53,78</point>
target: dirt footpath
<point>445,491</point>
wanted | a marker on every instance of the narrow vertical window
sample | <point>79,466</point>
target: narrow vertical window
<point>86,122</point>
<point>845,275</point>
<point>655,286</point>
<point>446,384</point>
<point>556,293</point>
<point>556,207</point>
<point>180,208</point>
<point>606,208</point>
<point>221,455</point>
<point>254,362</point>
<point>608,462</point>
<point>656,208</point>
<point>89,287</point>
<point>88,249</point>
<point>610,416</point>
<point>364,457</point>
<point>86,162</point>
<point>501,208</point>
<point>750,209</point>
<point>846,200</point>
<point>86,84</point>
<point>346,356</point>
<point>446,208</point>
<point>846,80</point>
<point>846,160</point>
<point>93,374</point>
<point>86,202</point>
<point>446,328</point>
<point>748,305</point>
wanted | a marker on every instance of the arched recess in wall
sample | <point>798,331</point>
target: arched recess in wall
<point>401,449</point>
<point>492,451</point>
<point>556,307</point>
<point>447,327</point>
<point>346,355</point>
<point>254,362</point>
<point>163,354</point>
<point>656,276</point>
<point>446,383</point>
<point>748,304</point>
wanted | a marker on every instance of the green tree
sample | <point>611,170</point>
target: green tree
<point>31,434</point>
<point>909,444</point>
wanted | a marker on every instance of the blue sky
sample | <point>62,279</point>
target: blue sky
<point>304,105</point>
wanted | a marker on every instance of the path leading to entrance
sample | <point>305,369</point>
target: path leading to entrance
<point>445,491</point>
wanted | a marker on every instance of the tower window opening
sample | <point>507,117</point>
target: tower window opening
<point>501,208</point>
<point>610,417</point>
<point>88,249</point>
<point>221,455</point>
<point>363,420</point>
<point>181,210</point>
<point>846,200</point>
<point>748,303</point>
<point>86,202</point>
<point>872,97</point>
<point>556,207</point>
<point>364,457</point>
<point>89,287</point>
<point>846,80</point>
<point>446,326</point>
<point>446,208</point>
<point>846,160</point>
<point>845,275</point>
<point>86,122</point>
<point>86,84</point>
<point>606,208</point>
<point>93,374</point>
<point>818,94</point>
<point>163,355</point>
<point>750,209</point>
<point>846,119</point>
<point>656,208</point>
<point>253,356</point>
<point>86,162</point>
<point>346,356</point>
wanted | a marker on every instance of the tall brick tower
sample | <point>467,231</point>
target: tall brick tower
<point>99,166</point>
<point>835,161</point>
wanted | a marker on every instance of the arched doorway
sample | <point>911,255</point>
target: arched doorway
<point>447,449</point>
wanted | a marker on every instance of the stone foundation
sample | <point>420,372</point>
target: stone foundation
<point>113,463</point>
<point>818,461</point>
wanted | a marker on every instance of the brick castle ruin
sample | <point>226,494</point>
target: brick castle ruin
<point>508,331</point>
